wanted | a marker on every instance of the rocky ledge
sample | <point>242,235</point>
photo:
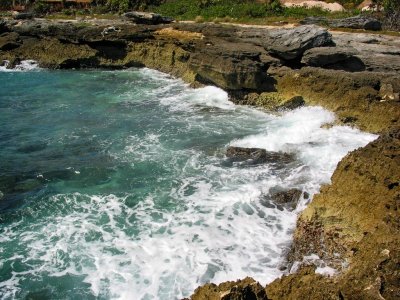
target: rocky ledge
<point>353,224</point>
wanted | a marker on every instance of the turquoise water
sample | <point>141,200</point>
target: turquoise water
<point>114,184</point>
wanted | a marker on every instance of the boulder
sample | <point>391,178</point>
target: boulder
<point>287,198</point>
<point>358,22</point>
<point>291,43</point>
<point>257,155</point>
<point>338,58</point>
<point>147,18</point>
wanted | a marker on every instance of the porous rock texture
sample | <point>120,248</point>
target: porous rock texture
<point>353,223</point>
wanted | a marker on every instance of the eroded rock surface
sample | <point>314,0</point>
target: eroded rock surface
<point>354,222</point>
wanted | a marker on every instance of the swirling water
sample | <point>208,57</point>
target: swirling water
<point>114,184</point>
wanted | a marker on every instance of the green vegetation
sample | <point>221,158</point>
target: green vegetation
<point>239,10</point>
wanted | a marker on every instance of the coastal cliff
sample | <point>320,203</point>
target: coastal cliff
<point>352,225</point>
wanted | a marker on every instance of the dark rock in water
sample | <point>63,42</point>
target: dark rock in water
<point>147,18</point>
<point>23,16</point>
<point>13,62</point>
<point>292,103</point>
<point>287,198</point>
<point>358,22</point>
<point>338,58</point>
<point>257,155</point>
<point>291,43</point>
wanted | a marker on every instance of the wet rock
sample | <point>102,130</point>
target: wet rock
<point>291,43</point>
<point>358,22</point>
<point>288,199</point>
<point>338,58</point>
<point>13,62</point>
<point>147,18</point>
<point>245,289</point>
<point>257,155</point>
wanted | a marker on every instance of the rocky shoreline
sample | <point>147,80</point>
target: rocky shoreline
<point>353,223</point>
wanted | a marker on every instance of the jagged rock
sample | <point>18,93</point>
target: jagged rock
<point>287,198</point>
<point>257,155</point>
<point>358,22</point>
<point>246,289</point>
<point>292,103</point>
<point>147,18</point>
<point>338,58</point>
<point>291,43</point>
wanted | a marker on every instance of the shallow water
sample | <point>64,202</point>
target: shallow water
<point>114,184</point>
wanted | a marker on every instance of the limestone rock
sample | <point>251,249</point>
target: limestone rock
<point>291,43</point>
<point>147,18</point>
<point>292,103</point>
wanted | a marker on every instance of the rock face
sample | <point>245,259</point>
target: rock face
<point>147,18</point>
<point>338,58</point>
<point>257,155</point>
<point>291,43</point>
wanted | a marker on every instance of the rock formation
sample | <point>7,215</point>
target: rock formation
<point>353,223</point>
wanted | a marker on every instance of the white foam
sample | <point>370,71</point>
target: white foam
<point>24,65</point>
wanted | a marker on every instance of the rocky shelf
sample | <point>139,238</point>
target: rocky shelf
<point>353,224</point>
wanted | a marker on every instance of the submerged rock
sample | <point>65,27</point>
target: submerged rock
<point>258,156</point>
<point>291,43</point>
<point>147,18</point>
<point>288,199</point>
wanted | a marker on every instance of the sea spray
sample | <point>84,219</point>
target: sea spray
<point>116,184</point>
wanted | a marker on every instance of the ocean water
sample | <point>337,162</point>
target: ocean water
<point>115,185</point>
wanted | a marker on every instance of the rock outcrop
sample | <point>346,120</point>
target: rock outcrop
<point>353,223</point>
